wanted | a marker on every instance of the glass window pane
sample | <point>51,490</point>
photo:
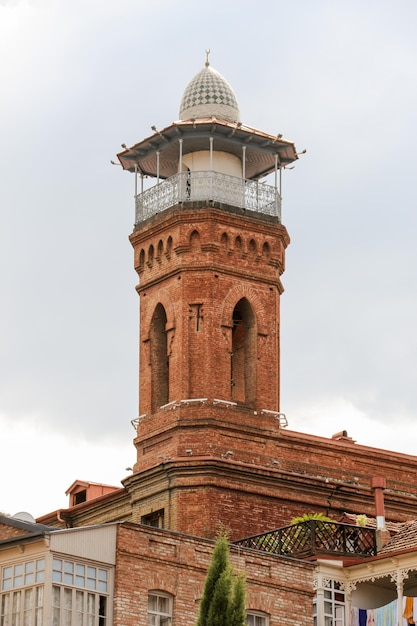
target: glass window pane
<point>28,598</point>
<point>79,600</point>
<point>67,598</point>
<point>16,601</point>
<point>18,581</point>
<point>102,606</point>
<point>57,576</point>
<point>29,567</point>
<point>39,596</point>
<point>328,608</point>
<point>80,569</point>
<point>39,617</point>
<point>5,603</point>
<point>55,617</point>
<point>40,577</point>
<point>91,603</point>
<point>56,596</point>
<point>102,574</point>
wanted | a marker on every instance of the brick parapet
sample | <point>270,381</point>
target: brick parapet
<point>150,559</point>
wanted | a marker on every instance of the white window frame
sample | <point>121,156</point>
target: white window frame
<point>160,618</point>
<point>334,605</point>
<point>257,618</point>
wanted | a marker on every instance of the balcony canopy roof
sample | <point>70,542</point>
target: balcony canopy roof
<point>231,137</point>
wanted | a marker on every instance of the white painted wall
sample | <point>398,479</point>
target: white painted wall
<point>223,162</point>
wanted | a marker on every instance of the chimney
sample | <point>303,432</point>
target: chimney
<point>378,484</point>
<point>343,436</point>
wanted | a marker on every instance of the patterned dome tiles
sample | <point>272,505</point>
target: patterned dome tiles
<point>209,95</point>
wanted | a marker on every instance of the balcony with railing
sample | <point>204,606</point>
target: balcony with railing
<point>315,538</point>
<point>208,186</point>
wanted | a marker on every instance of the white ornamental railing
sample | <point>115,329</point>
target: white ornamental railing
<point>206,186</point>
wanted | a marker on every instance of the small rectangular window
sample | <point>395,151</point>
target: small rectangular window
<point>155,519</point>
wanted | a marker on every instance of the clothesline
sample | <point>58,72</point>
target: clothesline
<point>385,615</point>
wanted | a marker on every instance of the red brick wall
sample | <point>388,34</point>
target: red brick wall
<point>149,559</point>
<point>208,260</point>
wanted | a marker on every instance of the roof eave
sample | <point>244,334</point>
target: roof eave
<point>142,156</point>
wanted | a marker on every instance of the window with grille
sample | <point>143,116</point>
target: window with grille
<point>334,605</point>
<point>22,593</point>
<point>79,594</point>
<point>159,609</point>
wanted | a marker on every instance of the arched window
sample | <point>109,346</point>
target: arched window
<point>159,608</point>
<point>266,252</point>
<point>225,242</point>
<point>257,618</point>
<point>195,241</point>
<point>169,247</point>
<point>141,259</point>
<point>243,360</point>
<point>150,255</point>
<point>159,358</point>
<point>252,246</point>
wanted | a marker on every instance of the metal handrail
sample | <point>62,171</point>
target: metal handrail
<point>208,186</point>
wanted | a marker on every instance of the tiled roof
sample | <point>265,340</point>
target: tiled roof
<point>351,518</point>
<point>404,539</point>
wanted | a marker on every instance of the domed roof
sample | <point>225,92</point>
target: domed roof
<point>209,95</point>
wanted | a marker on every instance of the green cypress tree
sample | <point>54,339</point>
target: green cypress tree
<point>219,610</point>
<point>223,599</point>
<point>237,609</point>
<point>219,564</point>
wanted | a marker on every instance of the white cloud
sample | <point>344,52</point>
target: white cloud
<point>78,79</point>
<point>37,464</point>
<point>333,414</point>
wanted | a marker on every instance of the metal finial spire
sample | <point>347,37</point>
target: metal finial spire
<point>207,56</point>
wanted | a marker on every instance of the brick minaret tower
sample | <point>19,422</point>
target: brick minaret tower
<point>209,250</point>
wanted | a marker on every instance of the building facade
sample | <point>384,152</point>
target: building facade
<point>212,445</point>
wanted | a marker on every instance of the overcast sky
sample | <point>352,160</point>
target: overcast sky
<point>81,77</point>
